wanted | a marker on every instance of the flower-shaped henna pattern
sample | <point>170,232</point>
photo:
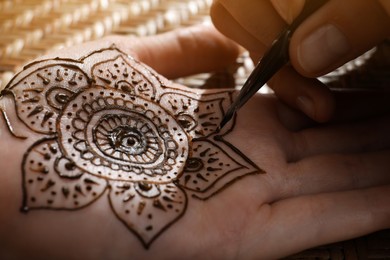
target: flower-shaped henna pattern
<point>111,125</point>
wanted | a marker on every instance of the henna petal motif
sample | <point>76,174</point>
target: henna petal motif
<point>127,75</point>
<point>199,115</point>
<point>212,166</point>
<point>147,209</point>
<point>43,186</point>
<point>41,94</point>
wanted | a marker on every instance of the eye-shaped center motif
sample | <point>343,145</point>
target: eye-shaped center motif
<point>120,135</point>
<point>127,139</point>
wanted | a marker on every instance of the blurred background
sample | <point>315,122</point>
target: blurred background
<point>31,28</point>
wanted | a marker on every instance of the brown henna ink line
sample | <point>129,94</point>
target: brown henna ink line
<point>78,189</point>
<point>206,140</point>
<point>113,76</point>
<point>9,126</point>
<point>24,207</point>
<point>162,230</point>
<point>50,183</point>
<point>38,109</point>
<point>34,63</point>
<point>65,191</point>
<point>61,98</point>
<point>211,160</point>
<point>225,186</point>
<point>208,124</point>
<point>166,198</point>
<point>187,179</point>
<point>45,80</point>
<point>36,90</point>
<point>46,117</point>
<point>35,99</point>
<point>174,107</point>
<point>125,73</point>
<point>59,78</point>
<point>203,154</point>
<point>111,47</point>
<point>128,197</point>
<point>42,169</point>
<point>220,139</point>
<point>107,81</point>
<point>89,181</point>
<point>205,115</point>
<point>201,177</point>
<point>53,149</point>
<point>157,204</point>
<point>211,169</point>
<point>120,56</point>
<point>141,206</point>
<point>11,85</point>
<point>72,81</point>
<point>218,179</point>
<point>145,186</point>
<point>55,59</point>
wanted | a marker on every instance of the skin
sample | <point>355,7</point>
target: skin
<point>255,24</point>
<point>323,183</point>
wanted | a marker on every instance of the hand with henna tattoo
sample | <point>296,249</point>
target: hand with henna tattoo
<point>108,159</point>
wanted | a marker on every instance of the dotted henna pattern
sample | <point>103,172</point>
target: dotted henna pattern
<point>111,125</point>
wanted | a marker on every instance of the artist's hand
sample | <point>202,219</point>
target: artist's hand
<point>335,34</point>
<point>322,184</point>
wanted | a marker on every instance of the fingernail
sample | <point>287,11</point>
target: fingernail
<point>323,47</point>
<point>306,105</point>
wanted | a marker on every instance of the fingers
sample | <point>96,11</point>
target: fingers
<point>337,33</point>
<point>336,158</point>
<point>349,104</point>
<point>229,26</point>
<point>308,95</point>
<point>309,221</point>
<point>184,51</point>
<point>255,24</point>
<point>355,128</point>
<point>330,173</point>
<point>370,135</point>
<point>258,18</point>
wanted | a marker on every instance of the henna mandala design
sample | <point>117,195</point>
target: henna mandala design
<point>110,125</point>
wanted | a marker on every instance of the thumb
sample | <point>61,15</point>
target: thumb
<point>338,32</point>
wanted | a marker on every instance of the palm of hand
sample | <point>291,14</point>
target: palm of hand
<point>320,185</point>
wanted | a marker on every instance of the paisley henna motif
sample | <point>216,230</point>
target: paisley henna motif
<point>110,125</point>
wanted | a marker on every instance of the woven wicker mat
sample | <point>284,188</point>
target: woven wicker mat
<point>31,28</point>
